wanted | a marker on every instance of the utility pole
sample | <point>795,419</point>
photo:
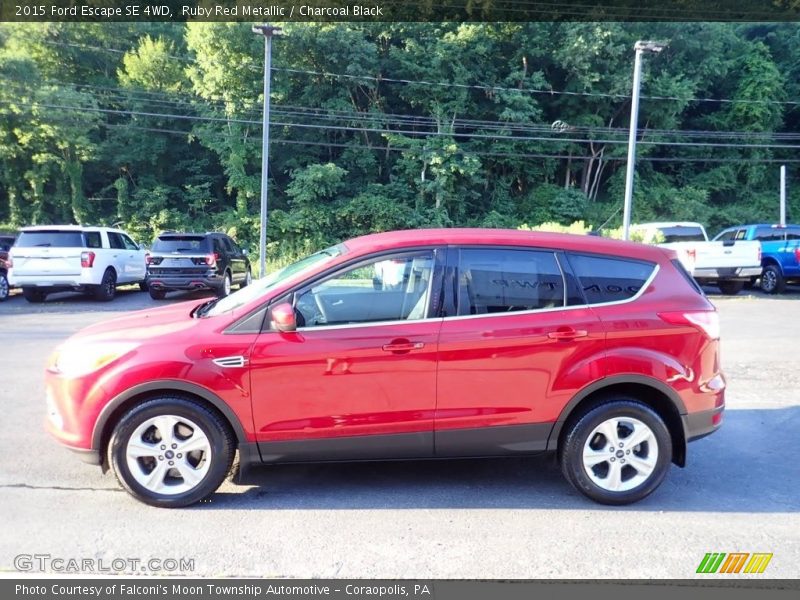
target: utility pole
<point>783,196</point>
<point>640,47</point>
<point>267,31</point>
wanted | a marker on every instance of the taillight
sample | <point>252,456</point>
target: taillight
<point>87,260</point>
<point>706,321</point>
<point>148,259</point>
<point>6,262</point>
<point>211,259</point>
<point>691,254</point>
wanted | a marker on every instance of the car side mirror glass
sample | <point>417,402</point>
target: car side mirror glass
<point>283,317</point>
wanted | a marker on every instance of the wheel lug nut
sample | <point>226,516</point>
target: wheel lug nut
<point>627,451</point>
<point>622,461</point>
<point>176,445</point>
<point>180,455</point>
<point>612,460</point>
<point>611,449</point>
<point>620,444</point>
<point>163,447</point>
<point>172,463</point>
<point>160,458</point>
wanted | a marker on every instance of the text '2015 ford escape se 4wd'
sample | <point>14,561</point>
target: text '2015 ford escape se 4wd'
<point>406,345</point>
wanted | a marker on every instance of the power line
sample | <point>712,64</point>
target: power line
<point>406,132</point>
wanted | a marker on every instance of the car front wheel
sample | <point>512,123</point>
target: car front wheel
<point>248,279</point>
<point>171,452</point>
<point>617,453</point>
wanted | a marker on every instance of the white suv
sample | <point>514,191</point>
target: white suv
<point>56,258</point>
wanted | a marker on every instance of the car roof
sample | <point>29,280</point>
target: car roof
<point>658,224</point>
<point>69,228</point>
<point>503,237</point>
<point>775,225</point>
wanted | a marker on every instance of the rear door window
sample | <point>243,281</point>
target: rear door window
<point>129,243</point>
<point>50,239</point>
<point>502,281</point>
<point>609,279</point>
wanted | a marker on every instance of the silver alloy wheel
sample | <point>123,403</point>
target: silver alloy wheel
<point>3,287</point>
<point>168,454</point>
<point>248,278</point>
<point>620,454</point>
<point>769,280</point>
<point>226,284</point>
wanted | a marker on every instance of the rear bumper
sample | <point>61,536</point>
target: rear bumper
<point>700,424</point>
<point>727,273</point>
<point>65,282</point>
<point>185,282</point>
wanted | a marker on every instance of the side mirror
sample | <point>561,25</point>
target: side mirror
<point>283,317</point>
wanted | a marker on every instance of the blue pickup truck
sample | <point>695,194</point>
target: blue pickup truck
<point>780,252</point>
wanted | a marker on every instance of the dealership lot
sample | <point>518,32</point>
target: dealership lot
<point>512,518</point>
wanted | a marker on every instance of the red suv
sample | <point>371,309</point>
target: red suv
<point>406,345</point>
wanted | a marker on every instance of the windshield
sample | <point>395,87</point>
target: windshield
<point>262,286</point>
<point>184,243</point>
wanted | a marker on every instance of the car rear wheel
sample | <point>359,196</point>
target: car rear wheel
<point>156,294</point>
<point>108,286</point>
<point>225,288</point>
<point>143,286</point>
<point>248,279</point>
<point>731,288</point>
<point>617,453</point>
<point>772,281</point>
<point>171,452</point>
<point>3,286</point>
<point>34,295</point>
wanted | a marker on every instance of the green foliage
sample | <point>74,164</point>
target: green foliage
<point>158,126</point>
<point>577,228</point>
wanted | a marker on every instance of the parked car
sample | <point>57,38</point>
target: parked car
<point>6,241</point>
<point>780,252</point>
<point>56,258</point>
<point>727,264</point>
<point>494,343</point>
<point>196,261</point>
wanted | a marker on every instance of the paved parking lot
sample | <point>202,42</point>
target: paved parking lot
<point>512,518</point>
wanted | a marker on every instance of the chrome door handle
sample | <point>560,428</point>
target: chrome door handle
<point>403,346</point>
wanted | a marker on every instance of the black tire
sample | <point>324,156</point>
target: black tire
<point>143,286</point>
<point>3,286</point>
<point>225,289</point>
<point>248,278</point>
<point>772,280</point>
<point>107,289</point>
<point>731,288</point>
<point>221,442</point>
<point>571,451</point>
<point>157,294</point>
<point>34,295</point>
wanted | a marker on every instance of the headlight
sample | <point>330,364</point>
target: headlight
<point>75,360</point>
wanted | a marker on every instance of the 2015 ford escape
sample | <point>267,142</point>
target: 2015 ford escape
<point>406,345</point>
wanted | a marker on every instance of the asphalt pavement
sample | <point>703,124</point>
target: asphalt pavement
<point>501,518</point>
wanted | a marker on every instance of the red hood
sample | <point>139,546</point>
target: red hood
<point>142,324</point>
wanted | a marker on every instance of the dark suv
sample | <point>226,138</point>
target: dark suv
<point>195,261</point>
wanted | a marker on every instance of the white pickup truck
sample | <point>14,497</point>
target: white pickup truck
<point>728,265</point>
<point>55,258</point>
